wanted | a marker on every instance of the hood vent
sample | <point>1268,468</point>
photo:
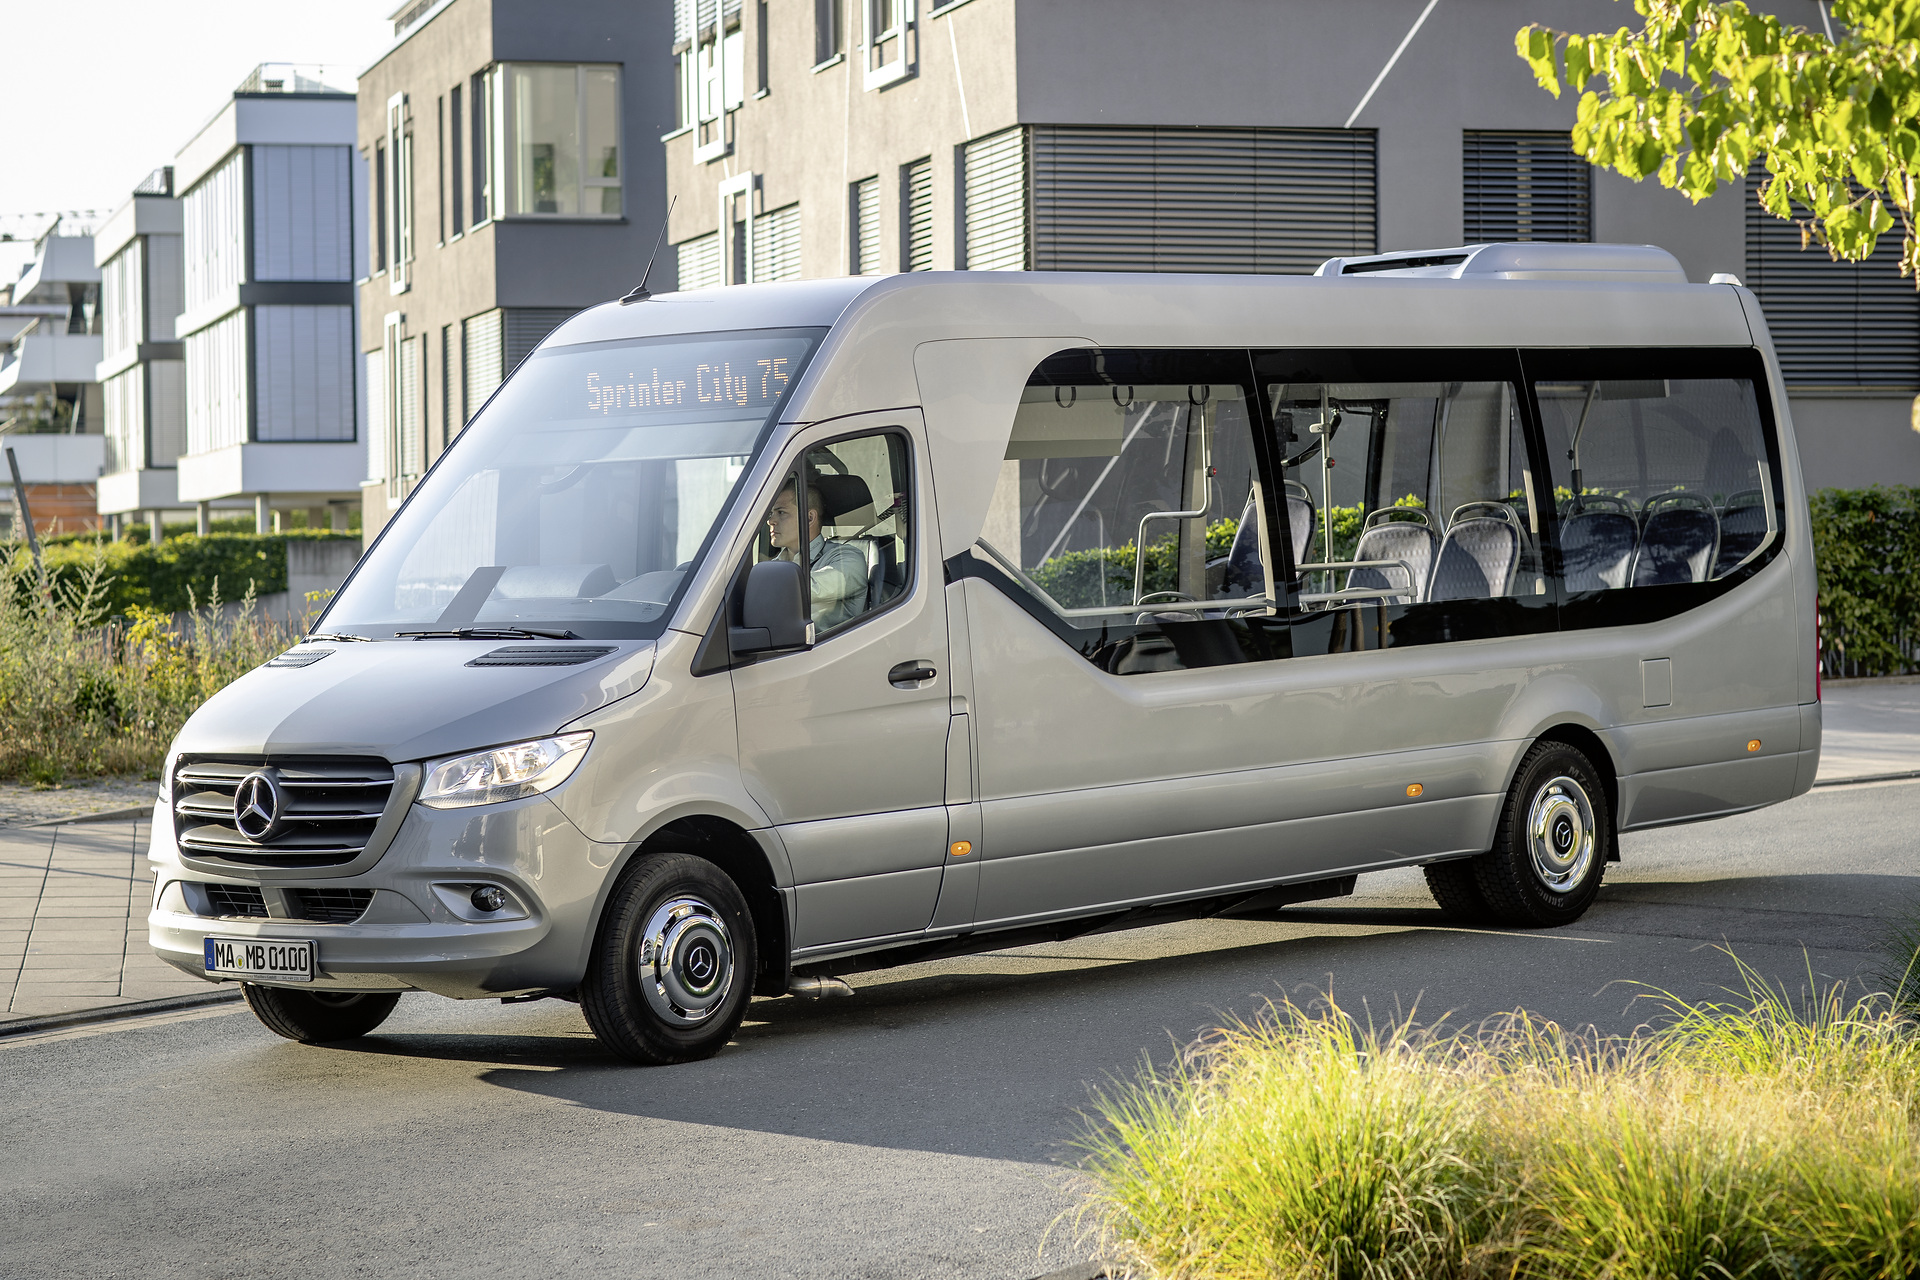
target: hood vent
<point>533,655</point>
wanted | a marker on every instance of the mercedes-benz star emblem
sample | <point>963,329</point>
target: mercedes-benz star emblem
<point>700,964</point>
<point>256,807</point>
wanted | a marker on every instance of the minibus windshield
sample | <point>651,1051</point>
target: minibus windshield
<point>580,498</point>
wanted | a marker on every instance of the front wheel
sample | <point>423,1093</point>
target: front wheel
<point>314,1017</point>
<point>1553,843</point>
<point>672,969</point>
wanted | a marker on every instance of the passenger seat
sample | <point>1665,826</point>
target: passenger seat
<point>1395,533</point>
<point>1478,555</point>
<point>1678,542</point>
<point>1598,540</point>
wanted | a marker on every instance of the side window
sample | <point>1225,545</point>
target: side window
<point>846,513</point>
<point>1129,516</point>
<point>1659,481</point>
<point>1411,511</point>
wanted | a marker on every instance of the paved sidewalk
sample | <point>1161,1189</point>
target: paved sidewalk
<point>74,898</point>
<point>1870,728</point>
<point>73,920</point>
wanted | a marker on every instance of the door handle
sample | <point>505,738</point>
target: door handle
<point>911,674</point>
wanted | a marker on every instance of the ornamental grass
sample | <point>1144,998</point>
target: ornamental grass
<point>1758,1137</point>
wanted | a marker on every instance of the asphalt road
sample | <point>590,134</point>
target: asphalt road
<point>922,1128</point>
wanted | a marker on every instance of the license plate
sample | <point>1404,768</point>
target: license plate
<point>260,958</point>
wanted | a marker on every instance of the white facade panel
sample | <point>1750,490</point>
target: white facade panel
<point>377,465</point>
<point>285,468</point>
<point>215,242</point>
<point>217,385</point>
<point>304,368</point>
<point>302,213</point>
<point>165,288</point>
<point>166,412</point>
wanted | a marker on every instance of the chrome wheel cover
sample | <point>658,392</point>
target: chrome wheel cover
<point>686,961</point>
<point>1560,835</point>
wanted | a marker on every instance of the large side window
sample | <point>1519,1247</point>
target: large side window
<point>846,513</point>
<point>1665,476</point>
<point>1129,516</point>
<point>1410,497</point>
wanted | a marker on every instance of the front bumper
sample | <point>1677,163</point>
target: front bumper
<point>419,930</point>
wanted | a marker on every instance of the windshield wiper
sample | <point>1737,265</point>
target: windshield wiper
<point>490,633</point>
<point>332,635</point>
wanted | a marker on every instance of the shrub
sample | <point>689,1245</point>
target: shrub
<point>80,696</point>
<point>168,577</point>
<point>1866,543</point>
<point>1757,1138</point>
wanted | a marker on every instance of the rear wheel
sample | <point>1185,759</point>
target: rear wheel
<point>318,1016</point>
<point>1553,843</point>
<point>672,969</point>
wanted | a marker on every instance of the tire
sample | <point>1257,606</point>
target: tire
<point>1456,887</point>
<point>672,969</point>
<point>1553,843</point>
<point>315,1017</point>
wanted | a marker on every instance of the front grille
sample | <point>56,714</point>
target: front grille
<point>235,900</point>
<point>331,805</point>
<point>330,906</point>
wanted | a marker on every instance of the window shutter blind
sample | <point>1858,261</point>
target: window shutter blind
<point>483,342</point>
<point>1525,186</point>
<point>409,434</point>
<point>699,261</point>
<point>866,228</point>
<point>1170,199</point>
<point>1834,324</point>
<point>995,217</point>
<point>776,245</point>
<point>917,219</point>
<point>526,328</point>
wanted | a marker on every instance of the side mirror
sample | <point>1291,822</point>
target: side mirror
<point>773,610</point>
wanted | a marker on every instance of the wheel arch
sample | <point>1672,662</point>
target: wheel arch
<point>1594,748</point>
<point>735,851</point>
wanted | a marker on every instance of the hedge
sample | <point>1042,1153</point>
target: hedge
<point>1866,543</point>
<point>181,570</point>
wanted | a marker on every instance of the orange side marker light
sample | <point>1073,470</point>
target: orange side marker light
<point>1753,744</point>
<point>1414,789</point>
<point>961,848</point>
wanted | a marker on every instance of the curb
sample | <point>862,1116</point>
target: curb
<point>113,1012</point>
<point>1082,1271</point>
<point>106,815</point>
<point>1871,777</point>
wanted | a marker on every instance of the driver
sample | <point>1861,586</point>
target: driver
<point>838,571</point>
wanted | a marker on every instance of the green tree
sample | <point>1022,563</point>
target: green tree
<point>1703,89</point>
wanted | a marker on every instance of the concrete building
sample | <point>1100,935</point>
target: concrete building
<point>142,371</point>
<point>50,402</point>
<point>269,192</point>
<point>50,325</point>
<point>822,137</point>
<point>516,177</point>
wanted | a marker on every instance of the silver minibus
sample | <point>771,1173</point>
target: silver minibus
<point>752,637</point>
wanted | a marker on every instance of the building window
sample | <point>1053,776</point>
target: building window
<point>760,46</point>
<point>482,340</point>
<point>379,207</point>
<point>863,248</point>
<point>714,61</point>
<point>1525,186</point>
<point>446,385</point>
<point>440,159</point>
<point>214,215</point>
<point>480,142</point>
<point>1186,199</point>
<point>916,216</point>
<point>399,155</point>
<point>1841,325</point>
<point>887,47</point>
<point>562,140</point>
<point>993,217</point>
<point>829,30</point>
<point>404,443</point>
<point>456,158</point>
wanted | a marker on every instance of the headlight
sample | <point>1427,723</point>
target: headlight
<point>505,773</point>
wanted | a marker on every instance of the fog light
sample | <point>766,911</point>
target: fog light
<point>489,898</point>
